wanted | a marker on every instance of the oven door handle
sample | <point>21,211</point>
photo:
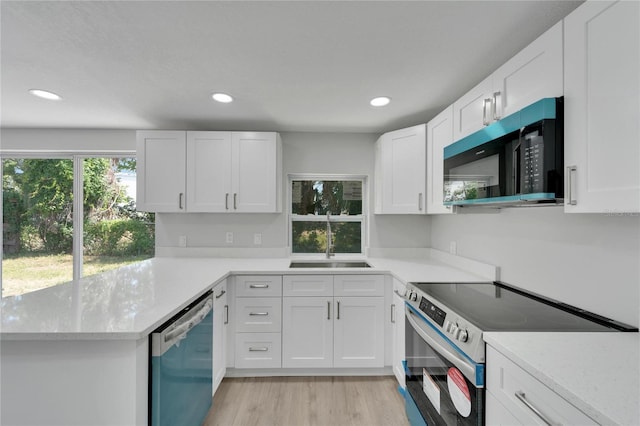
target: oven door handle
<point>468,369</point>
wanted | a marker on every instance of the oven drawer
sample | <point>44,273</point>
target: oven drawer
<point>506,380</point>
<point>258,350</point>
<point>258,314</point>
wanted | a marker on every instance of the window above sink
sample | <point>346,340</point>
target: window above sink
<point>327,205</point>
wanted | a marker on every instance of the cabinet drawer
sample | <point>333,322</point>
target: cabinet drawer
<point>258,285</point>
<point>307,285</point>
<point>258,314</point>
<point>505,379</point>
<point>258,350</point>
<point>358,285</point>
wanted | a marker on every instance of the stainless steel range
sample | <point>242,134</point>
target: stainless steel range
<point>445,352</point>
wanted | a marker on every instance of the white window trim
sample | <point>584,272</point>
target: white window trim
<point>362,218</point>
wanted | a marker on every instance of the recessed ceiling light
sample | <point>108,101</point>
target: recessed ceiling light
<point>222,97</point>
<point>45,94</point>
<point>380,101</point>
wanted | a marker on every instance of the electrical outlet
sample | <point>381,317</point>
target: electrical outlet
<point>453,247</point>
<point>229,237</point>
<point>182,241</point>
<point>257,239</point>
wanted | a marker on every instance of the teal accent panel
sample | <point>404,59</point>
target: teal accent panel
<point>413,414</point>
<point>539,196</point>
<point>543,109</point>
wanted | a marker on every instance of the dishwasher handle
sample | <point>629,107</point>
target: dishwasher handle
<point>162,341</point>
<point>181,330</point>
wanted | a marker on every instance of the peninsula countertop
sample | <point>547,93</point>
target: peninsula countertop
<point>132,301</point>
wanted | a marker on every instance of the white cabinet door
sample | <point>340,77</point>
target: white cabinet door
<point>439,135</point>
<point>496,414</point>
<point>402,171</point>
<point>255,169</point>
<point>534,73</point>
<point>307,332</point>
<point>208,171</point>
<point>602,106</point>
<point>358,332</point>
<point>472,111</point>
<point>161,174</point>
<point>398,341</point>
<point>220,321</point>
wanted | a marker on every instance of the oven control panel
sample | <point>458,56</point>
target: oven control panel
<point>432,311</point>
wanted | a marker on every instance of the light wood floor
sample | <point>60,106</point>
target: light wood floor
<point>298,401</point>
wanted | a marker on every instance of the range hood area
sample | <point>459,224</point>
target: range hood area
<point>516,161</point>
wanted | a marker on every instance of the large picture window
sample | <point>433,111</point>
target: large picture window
<point>50,238</point>
<point>329,210</point>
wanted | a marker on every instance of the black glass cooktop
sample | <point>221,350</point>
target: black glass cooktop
<point>501,307</point>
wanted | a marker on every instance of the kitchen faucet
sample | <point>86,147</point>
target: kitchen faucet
<point>329,236</point>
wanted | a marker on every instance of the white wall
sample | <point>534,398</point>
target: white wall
<point>321,153</point>
<point>67,140</point>
<point>588,260</point>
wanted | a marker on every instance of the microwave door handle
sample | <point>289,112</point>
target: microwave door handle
<point>463,365</point>
<point>517,178</point>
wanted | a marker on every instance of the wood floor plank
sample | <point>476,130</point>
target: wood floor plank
<point>307,401</point>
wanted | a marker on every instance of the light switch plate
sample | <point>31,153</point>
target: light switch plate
<point>229,237</point>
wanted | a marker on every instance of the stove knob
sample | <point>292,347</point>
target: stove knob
<point>413,296</point>
<point>462,335</point>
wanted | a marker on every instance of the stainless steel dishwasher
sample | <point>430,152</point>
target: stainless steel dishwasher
<point>180,388</point>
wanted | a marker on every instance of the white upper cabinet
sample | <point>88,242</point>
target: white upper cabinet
<point>439,135</point>
<point>256,172</point>
<point>161,171</point>
<point>209,172</point>
<point>602,108</point>
<point>401,171</point>
<point>534,73</point>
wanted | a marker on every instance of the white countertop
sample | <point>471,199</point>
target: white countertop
<point>132,301</point>
<point>599,373</point>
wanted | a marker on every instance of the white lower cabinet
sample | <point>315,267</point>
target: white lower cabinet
<point>329,329</point>
<point>258,321</point>
<point>220,322</point>
<point>258,350</point>
<point>516,397</point>
<point>397,318</point>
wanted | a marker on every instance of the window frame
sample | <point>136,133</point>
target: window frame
<point>77,157</point>
<point>362,218</point>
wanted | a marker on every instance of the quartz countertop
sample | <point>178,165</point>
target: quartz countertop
<point>599,373</point>
<point>132,301</point>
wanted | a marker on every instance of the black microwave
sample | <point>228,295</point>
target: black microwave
<point>517,160</point>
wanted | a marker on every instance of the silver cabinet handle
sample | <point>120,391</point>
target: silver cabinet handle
<point>393,313</point>
<point>485,119</point>
<point>494,106</point>
<point>180,197</point>
<point>570,200</point>
<point>226,314</point>
<point>235,201</point>
<point>258,285</point>
<point>226,201</point>
<point>338,310</point>
<point>520,395</point>
<point>420,201</point>
<point>328,310</point>
<point>258,314</point>
<point>222,293</point>
<point>261,349</point>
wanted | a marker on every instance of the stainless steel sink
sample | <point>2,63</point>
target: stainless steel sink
<point>330,264</point>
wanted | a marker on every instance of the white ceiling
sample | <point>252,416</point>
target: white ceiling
<point>291,66</point>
